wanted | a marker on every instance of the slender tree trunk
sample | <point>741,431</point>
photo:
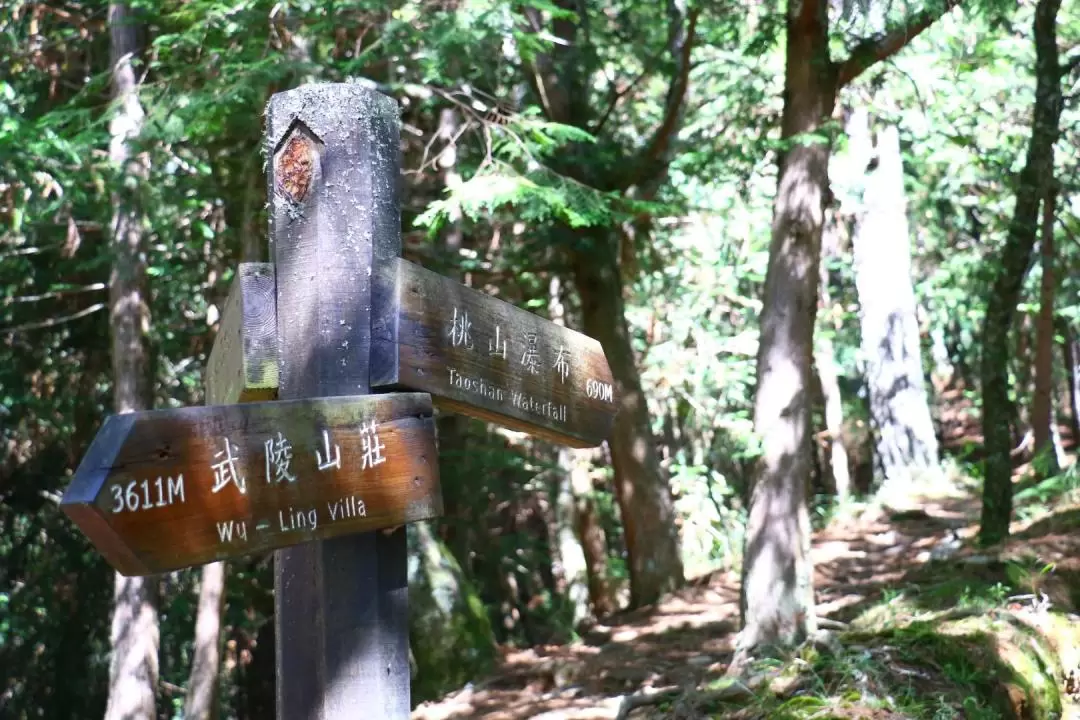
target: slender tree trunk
<point>200,702</point>
<point>1009,277</point>
<point>1042,405</point>
<point>777,585</point>
<point>1070,350</point>
<point>905,441</point>
<point>644,496</point>
<point>828,376</point>
<point>571,569</point>
<point>591,532</point>
<point>133,667</point>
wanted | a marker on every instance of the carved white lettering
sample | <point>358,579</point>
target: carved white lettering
<point>562,362</point>
<point>278,453</point>
<point>225,469</point>
<point>477,386</point>
<point>530,358</point>
<point>460,331</point>
<point>138,495</point>
<point>327,463</point>
<point>599,390</point>
<point>346,508</point>
<point>547,409</point>
<point>229,529</point>
<point>297,520</point>
<point>497,345</point>
<point>373,447</point>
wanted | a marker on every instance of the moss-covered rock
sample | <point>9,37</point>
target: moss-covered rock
<point>449,632</point>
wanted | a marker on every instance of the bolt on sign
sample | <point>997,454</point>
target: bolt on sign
<point>293,452</point>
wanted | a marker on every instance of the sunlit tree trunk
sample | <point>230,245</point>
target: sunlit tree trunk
<point>777,597</point>
<point>1009,277</point>
<point>591,532</point>
<point>571,569</point>
<point>904,438</point>
<point>561,80</point>
<point>200,703</point>
<point>1043,424</point>
<point>777,584</point>
<point>133,667</point>
<point>644,497</point>
<point>1070,351</point>
<point>828,375</point>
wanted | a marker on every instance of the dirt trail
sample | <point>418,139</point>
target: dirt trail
<point>686,640</point>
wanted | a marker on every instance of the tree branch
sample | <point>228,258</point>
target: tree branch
<point>1070,64</point>
<point>652,161</point>
<point>881,47</point>
<point>52,294</point>
<point>52,322</point>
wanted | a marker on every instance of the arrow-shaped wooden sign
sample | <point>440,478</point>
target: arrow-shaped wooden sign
<point>475,354</point>
<point>168,489</point>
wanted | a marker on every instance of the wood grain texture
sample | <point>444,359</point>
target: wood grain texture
<point>489,359</point>
<point>414,346</point>
<point>341,605</point>
<point>242,366</point>
<point>143,526</point>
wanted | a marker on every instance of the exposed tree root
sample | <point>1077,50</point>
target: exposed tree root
<point>733,690</point>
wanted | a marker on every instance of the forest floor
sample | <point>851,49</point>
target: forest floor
<point>918,623</point>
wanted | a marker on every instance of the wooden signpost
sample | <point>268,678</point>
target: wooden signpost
<point>168,489</point>
<point>326,472</point>
<point>476,354</point>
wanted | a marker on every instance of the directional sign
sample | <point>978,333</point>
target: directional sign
<point>476,354</point>
<point>168,489</point>
<point>484,357</point>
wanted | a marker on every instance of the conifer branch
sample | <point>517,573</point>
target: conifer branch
<point>881,47</point>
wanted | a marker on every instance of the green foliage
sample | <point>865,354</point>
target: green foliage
<point>693,245</point>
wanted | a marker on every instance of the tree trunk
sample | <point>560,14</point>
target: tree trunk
<point>905,442</point>
<point>777,585</point>
<point>1042,405</point>
<point>825,362</point>
<point>133,667</point>
<point>1070,350</point>
<point>591,532</point>
<point>200,702</point>
<point>644,496</point>
<point>570,567</point>
<point>1009,278</point>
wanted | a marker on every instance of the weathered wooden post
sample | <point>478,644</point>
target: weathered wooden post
<point>341,605</point>
<point>327,470</point>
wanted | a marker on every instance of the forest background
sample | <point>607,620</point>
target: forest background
<point>831,252</point>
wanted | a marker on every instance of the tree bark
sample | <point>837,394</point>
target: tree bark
<point>133,667</point>
<point>1042,405</point>
<point>570,567</point>
<point>825,362</point>
<point>591,532</point>
<point>777,586</point>
<point>200,703</point>
<point>777,597</point>
<point>1009,278</point>
<point>560,81</point>
<point>644,496</point>
<point>1070,350</point>
<point>905,441</point>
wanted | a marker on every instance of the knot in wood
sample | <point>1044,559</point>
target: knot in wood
<point>295,166</point>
